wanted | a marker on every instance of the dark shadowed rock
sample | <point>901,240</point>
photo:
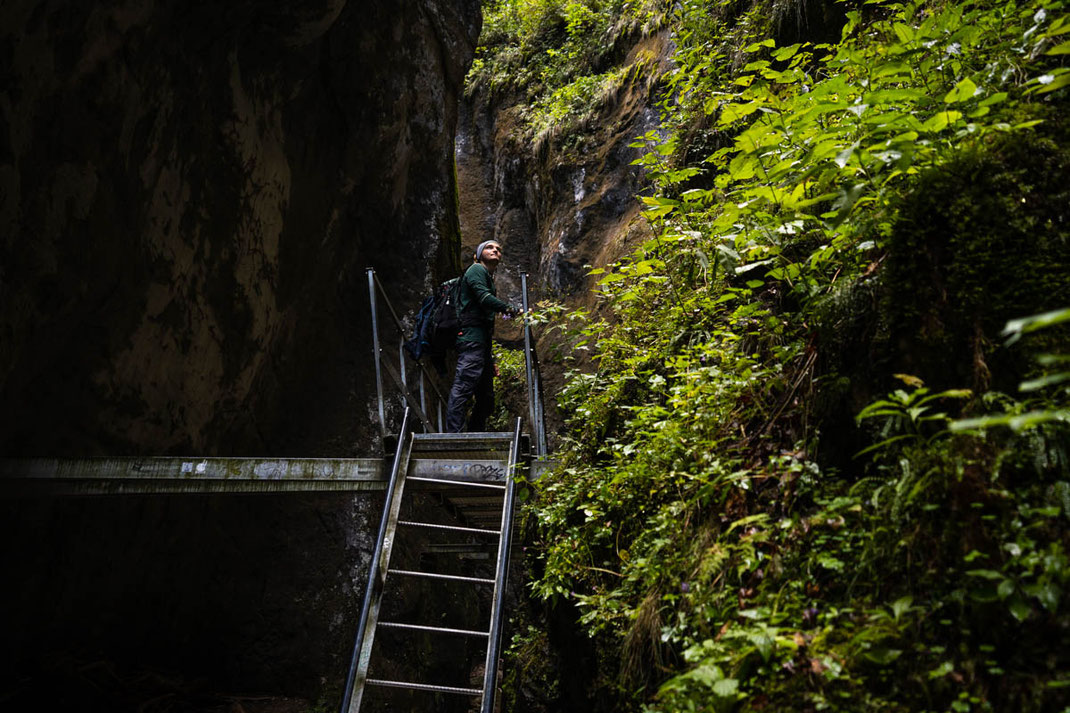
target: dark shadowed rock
<point>189,195</point>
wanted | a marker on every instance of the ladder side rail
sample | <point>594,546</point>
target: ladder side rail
<point>358,666</point>
<point>375,284</point>
<point>490,670</point>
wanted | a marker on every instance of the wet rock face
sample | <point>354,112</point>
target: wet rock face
<point>189,193</point>
<point>560,203</point>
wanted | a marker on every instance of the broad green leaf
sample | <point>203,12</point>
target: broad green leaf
<point>962,91</point>
<point>942,670</point>
<point>1058,83</point>
<point>788,52</point>
<point>758,45</point>
<point>904,32</point>
<point>1017,327</point>
<point>733,112</point>
<point>883,655</point>
<point>726,687</point>
<point>985,574</point>
<point>994,99</point>
<point>853,18</point>
<point>901,606</point>
<point>1044,382</point>
<point>742,167</point>
<point>940,121</point>
<point>1061,48</point>
<point>891,69</point>
<point>658,212</point>
<point>893,96</point>
<point>1028,124</point>
<point>1019,608</point>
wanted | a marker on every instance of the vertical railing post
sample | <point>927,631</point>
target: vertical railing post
<point>540,412</point>
<point>532,414</point>
<point>378,353</point>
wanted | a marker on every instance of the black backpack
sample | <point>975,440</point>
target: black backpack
<point>437,325</point>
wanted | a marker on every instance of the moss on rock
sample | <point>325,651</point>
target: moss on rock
<point>980,240</point>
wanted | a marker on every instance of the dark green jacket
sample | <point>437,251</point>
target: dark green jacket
<point>477,305</point>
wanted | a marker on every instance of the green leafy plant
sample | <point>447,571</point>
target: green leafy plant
<point>715,560</point>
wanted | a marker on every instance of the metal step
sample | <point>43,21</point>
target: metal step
<point>462,552</point>
<point>424,687</point>
<point>472,477</point>
<point>451,528</point>
<point>433,629</point>
<point>454,468</point>
<point>485,441</point>
<point>457,483</point>
<point>433,575</point>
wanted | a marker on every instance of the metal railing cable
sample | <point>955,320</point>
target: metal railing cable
<point>427,389</point>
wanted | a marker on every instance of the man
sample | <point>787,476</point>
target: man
<point>477,304</point>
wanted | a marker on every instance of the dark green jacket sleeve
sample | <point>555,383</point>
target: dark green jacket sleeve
<point>481,289</point>
<point>478,300</point>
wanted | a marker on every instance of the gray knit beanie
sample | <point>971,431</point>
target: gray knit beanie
<point>485,243</point>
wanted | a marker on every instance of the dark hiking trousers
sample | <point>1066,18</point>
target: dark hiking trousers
<point>474,377</point>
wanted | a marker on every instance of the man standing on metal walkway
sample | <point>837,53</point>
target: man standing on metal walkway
<point>476,306</point>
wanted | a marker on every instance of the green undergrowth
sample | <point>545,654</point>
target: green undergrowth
<point>722,555</point>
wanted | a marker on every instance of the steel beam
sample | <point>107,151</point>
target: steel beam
<point>133,476</point>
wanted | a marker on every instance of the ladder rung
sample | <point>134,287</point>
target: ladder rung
<point>425,687</point>
<point>432,575</point>
<point>451,528</point>
<point>469,483</point>
<point>435,629</point>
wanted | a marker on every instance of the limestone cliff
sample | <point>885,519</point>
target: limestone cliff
<point>188,195</point>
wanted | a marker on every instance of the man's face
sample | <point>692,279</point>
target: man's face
<point>492,254</point>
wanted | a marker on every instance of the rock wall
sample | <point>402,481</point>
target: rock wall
<point>560,202</point>
<point>189,195</point>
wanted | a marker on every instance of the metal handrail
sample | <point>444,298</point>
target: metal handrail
<point>418,401</point>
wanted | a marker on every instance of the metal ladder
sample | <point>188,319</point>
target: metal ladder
<point>473,475</point>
